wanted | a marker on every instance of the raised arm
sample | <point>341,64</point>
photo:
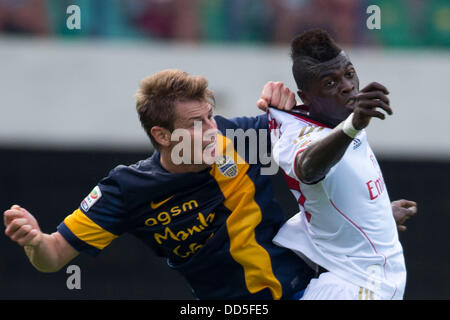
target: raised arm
<point>46,252</point>
<point>315,162</point>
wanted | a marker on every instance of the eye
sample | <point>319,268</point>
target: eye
<point>329,83</point>
<point>350,73</point>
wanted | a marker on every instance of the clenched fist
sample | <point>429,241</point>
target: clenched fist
<point>403,210</point>
<point>21,226</point>
<point>277,95</point>
<point>366,103</point>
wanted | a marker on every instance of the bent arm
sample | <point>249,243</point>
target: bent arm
<point>315,162</point>
<point>51,254</point>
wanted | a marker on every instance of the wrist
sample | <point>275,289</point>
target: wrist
<point>348,127</point>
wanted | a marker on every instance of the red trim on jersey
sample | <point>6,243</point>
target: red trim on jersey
<point>353,223</point>
<point>271,121</point>
<point>364,234</point>
<point>302,200</point>
<point>298,116</point>
<point>292,183</point>
<point>308,216</point>
<point>295,185</point>
<point>306,119</point>
<point>394,293</point>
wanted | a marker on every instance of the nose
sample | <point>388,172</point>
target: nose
<point>210,124</point>
<point>347,87</point>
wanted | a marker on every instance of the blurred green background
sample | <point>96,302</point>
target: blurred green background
<point>405,23</point>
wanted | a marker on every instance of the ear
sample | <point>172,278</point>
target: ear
<point>161,135</point>
<point>304,96</point>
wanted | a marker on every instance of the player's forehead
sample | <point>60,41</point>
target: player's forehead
<point>336,66</point>
<point>192,109</point>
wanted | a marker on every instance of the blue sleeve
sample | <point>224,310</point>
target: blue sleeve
<point>99,220</point>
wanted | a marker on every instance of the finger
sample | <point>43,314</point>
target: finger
<point>276,94</point>
<point>29,238</point>
<point>373,95</point>
<point>284,97</point>
<point>413,210</point>
<point>404,213</point>
<point>10,215</point>
<point>372,113</point>
<point>406,203</point>
<point>291,102</point>
<point>34,237</point>
<point>262,104</point>
<point>402,228</point>
<point>266,94</point>
<point>375,104</point>
<point>375,86</point>
<point>14,225</point>
<point>6,216</point>
<point>410,212</point>
<point>21,232</point>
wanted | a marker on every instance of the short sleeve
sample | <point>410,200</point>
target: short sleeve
<point>99,220</point>
<point>296,138</point>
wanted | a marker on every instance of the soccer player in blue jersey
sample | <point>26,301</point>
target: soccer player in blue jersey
<point>213,218</point>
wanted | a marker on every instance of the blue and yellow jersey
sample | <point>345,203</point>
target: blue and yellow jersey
<point>215,226</point>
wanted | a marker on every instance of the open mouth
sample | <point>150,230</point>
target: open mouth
<point>350,102</point>
<point>210,146</point>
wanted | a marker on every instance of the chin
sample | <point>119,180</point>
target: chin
<point>345,113</point>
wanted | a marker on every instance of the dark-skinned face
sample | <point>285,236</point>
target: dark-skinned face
<point>330,90</point>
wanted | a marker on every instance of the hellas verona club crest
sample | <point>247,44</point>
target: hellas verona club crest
<point>227,167</point>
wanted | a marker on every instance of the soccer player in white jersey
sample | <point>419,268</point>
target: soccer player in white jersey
<point>345,223</point>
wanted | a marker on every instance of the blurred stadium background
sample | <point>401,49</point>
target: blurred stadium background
<point>67,114</point>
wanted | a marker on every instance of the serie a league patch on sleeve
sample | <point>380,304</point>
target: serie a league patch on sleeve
<point>91,199</point>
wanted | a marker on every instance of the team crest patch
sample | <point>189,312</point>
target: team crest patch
<point>91,199</point>
<point>227,167</point>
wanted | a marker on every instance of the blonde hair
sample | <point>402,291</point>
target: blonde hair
<point>158,93</point>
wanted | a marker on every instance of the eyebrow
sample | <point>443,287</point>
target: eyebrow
<point>329,73</point>
<point>199,117</point>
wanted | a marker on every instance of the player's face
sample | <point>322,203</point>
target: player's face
<point>329,94</point>
<point>195,118</point>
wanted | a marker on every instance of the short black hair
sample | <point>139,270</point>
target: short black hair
<point>314,45</point>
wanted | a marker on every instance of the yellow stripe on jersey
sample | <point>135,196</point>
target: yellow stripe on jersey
<point>239,192</point>
<point>88,231</point>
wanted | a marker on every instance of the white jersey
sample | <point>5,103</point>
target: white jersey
<point>345,223</point>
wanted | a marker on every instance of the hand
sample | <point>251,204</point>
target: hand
<point>21,226</point>
<point>403,210</point>
<point>275,94</point>
<point>366,101</point>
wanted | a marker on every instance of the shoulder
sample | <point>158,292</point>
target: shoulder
<point>298,115</point>
<point>126,176</point>
<point>294,123</point>
<point>258,122</point>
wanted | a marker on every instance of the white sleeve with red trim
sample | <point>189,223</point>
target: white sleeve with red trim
<point>291,134</point>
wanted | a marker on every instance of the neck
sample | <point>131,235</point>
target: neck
<point>321,119</point>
